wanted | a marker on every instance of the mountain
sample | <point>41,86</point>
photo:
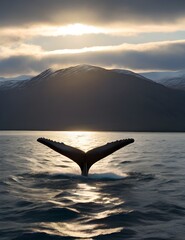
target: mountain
<point>91,98</point>
<point>14,81</point>
<point>128,72</point>
<point>174,80</point>
<point>22,77</point>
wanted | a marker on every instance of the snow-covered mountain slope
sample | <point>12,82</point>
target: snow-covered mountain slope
<point>128,72</point>
<point>6,83</point>
<point>22,77</point>
<point>9,83</point>
<point>169,79</point>
<point>157,76</point>
<point>46,75</point>
<point>174,80</point>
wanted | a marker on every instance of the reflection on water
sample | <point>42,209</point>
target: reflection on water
<point>91,204</point>
<point>43,195</point>
<point>82,140</point>
<point>80,230</point>
<point>84,193</point>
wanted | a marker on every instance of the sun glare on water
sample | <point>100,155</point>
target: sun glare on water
<point>80,139</point>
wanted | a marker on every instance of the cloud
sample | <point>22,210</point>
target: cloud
<point>37,34</point>
<point>167,55</point>
<point>20,49</point>
<point>106,12</point>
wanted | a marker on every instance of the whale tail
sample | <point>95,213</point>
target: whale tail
<point>86,159</point>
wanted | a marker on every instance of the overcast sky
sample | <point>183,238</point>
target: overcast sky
<point>140,35</point>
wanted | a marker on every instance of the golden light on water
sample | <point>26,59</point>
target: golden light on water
<point>85,231</point>
<point>80,139</point>
<point>84,194</point>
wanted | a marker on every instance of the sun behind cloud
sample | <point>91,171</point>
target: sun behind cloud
<point>75,29</point>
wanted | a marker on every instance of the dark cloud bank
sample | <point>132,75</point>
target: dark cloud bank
<point>25,12</point>
<point>169,56</point>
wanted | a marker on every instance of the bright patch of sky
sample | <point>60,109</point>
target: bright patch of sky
<point>140,35</point>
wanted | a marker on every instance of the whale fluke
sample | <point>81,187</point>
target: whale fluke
<point>85,159</point>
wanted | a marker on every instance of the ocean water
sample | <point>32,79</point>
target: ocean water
<point>136,193</point>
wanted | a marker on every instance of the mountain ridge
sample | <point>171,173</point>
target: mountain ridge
<point>91,98</point>
<point>175,79</point>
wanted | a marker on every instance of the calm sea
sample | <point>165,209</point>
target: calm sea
<point>136,193</point>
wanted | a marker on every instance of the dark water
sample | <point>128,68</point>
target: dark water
<point>136,193</point>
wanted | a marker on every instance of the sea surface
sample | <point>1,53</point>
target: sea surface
<point>136,193</point>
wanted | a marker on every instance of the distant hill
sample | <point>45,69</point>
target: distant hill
<point>174,80</point>
<point>91,98</point>
<point>14,81</point>
<point>22,77</point>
